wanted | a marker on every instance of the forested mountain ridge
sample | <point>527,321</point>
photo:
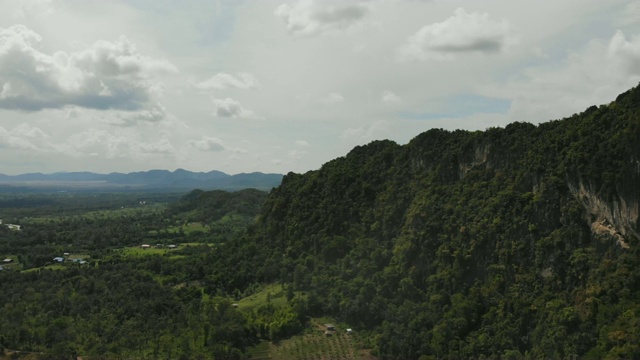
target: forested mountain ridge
<point>152,180</point>
<point>515,241</point>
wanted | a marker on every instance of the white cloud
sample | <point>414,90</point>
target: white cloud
<point>462,33</point>
<point>107,75</point>
<point>33,8</point>
<point>302,143</point>
<point>162,146</point>
<point>390,98</point>
<point>297,154</point>
<point>94,141</point>
<point>584,78</point>
<point>625,53</point>
<point>23,137</point>
<point>223,81</point>
<point>332,98</point>
<point>365,133</point>
<point>113,145</point>
<point>153,114</point>
<point>631,14</point>
<point>29,131</point>
<point>207,143</point>
<point>230,108</point>
<point>314,17</point>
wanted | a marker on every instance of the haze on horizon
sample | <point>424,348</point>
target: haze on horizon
<point>279,86</point>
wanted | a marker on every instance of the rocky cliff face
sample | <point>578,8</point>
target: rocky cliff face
<point>616,217</point>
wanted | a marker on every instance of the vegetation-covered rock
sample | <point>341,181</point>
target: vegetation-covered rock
<point>520,241</point>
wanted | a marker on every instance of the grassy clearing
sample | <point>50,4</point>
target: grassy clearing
<point>14,265</point>
<point>197,244</point>
<point>195,226</point>
<point>125,211</point>
<point>48,267</point>
<point>74,257</point>
<point>260,351</point>
<point>185,229</point>
<point>98,214</point>
<point>273,293</point>
<point>137,251</point>
<point>313,345</point>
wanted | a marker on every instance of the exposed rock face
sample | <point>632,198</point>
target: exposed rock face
<point>617,217</point>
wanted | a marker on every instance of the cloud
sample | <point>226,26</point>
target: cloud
<point>586,77</point>
<point>230,108</point>
<point>207,143</point>
<point>223,81</point>
<point>125,144</point>
<point>96,142</point>
<point>390,98</point>
<point>315,17</point>
<point>33,8</point>
<point>107,75</point>
<point>462,33</point>
<point>24,137</point>
<point>297,154</point>
<point>162,146</point>
<point>630,16</point>
<point>365,134</point>
<point>302,143</point>
<point>332,98</point>
<point>153,114</point>
<point>625,53</point>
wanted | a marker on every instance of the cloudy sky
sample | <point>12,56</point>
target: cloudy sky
<point>279,86</point>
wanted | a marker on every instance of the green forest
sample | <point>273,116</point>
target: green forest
<point>519,242</point>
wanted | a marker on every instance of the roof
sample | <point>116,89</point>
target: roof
<point>7,260</point>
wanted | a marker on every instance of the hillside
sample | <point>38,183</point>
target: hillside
<point>515,241</point>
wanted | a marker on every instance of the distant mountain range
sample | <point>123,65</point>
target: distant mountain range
<point>143,180</point>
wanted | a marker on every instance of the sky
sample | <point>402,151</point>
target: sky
<point>276,86</point>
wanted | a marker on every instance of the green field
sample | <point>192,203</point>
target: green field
<point>14,265</point>
<point>98,214</point>
<point>273,293</point>
<point>186,229</point>
<point>137,251</point>
<point>48,267</point>
<point>313,345</point>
